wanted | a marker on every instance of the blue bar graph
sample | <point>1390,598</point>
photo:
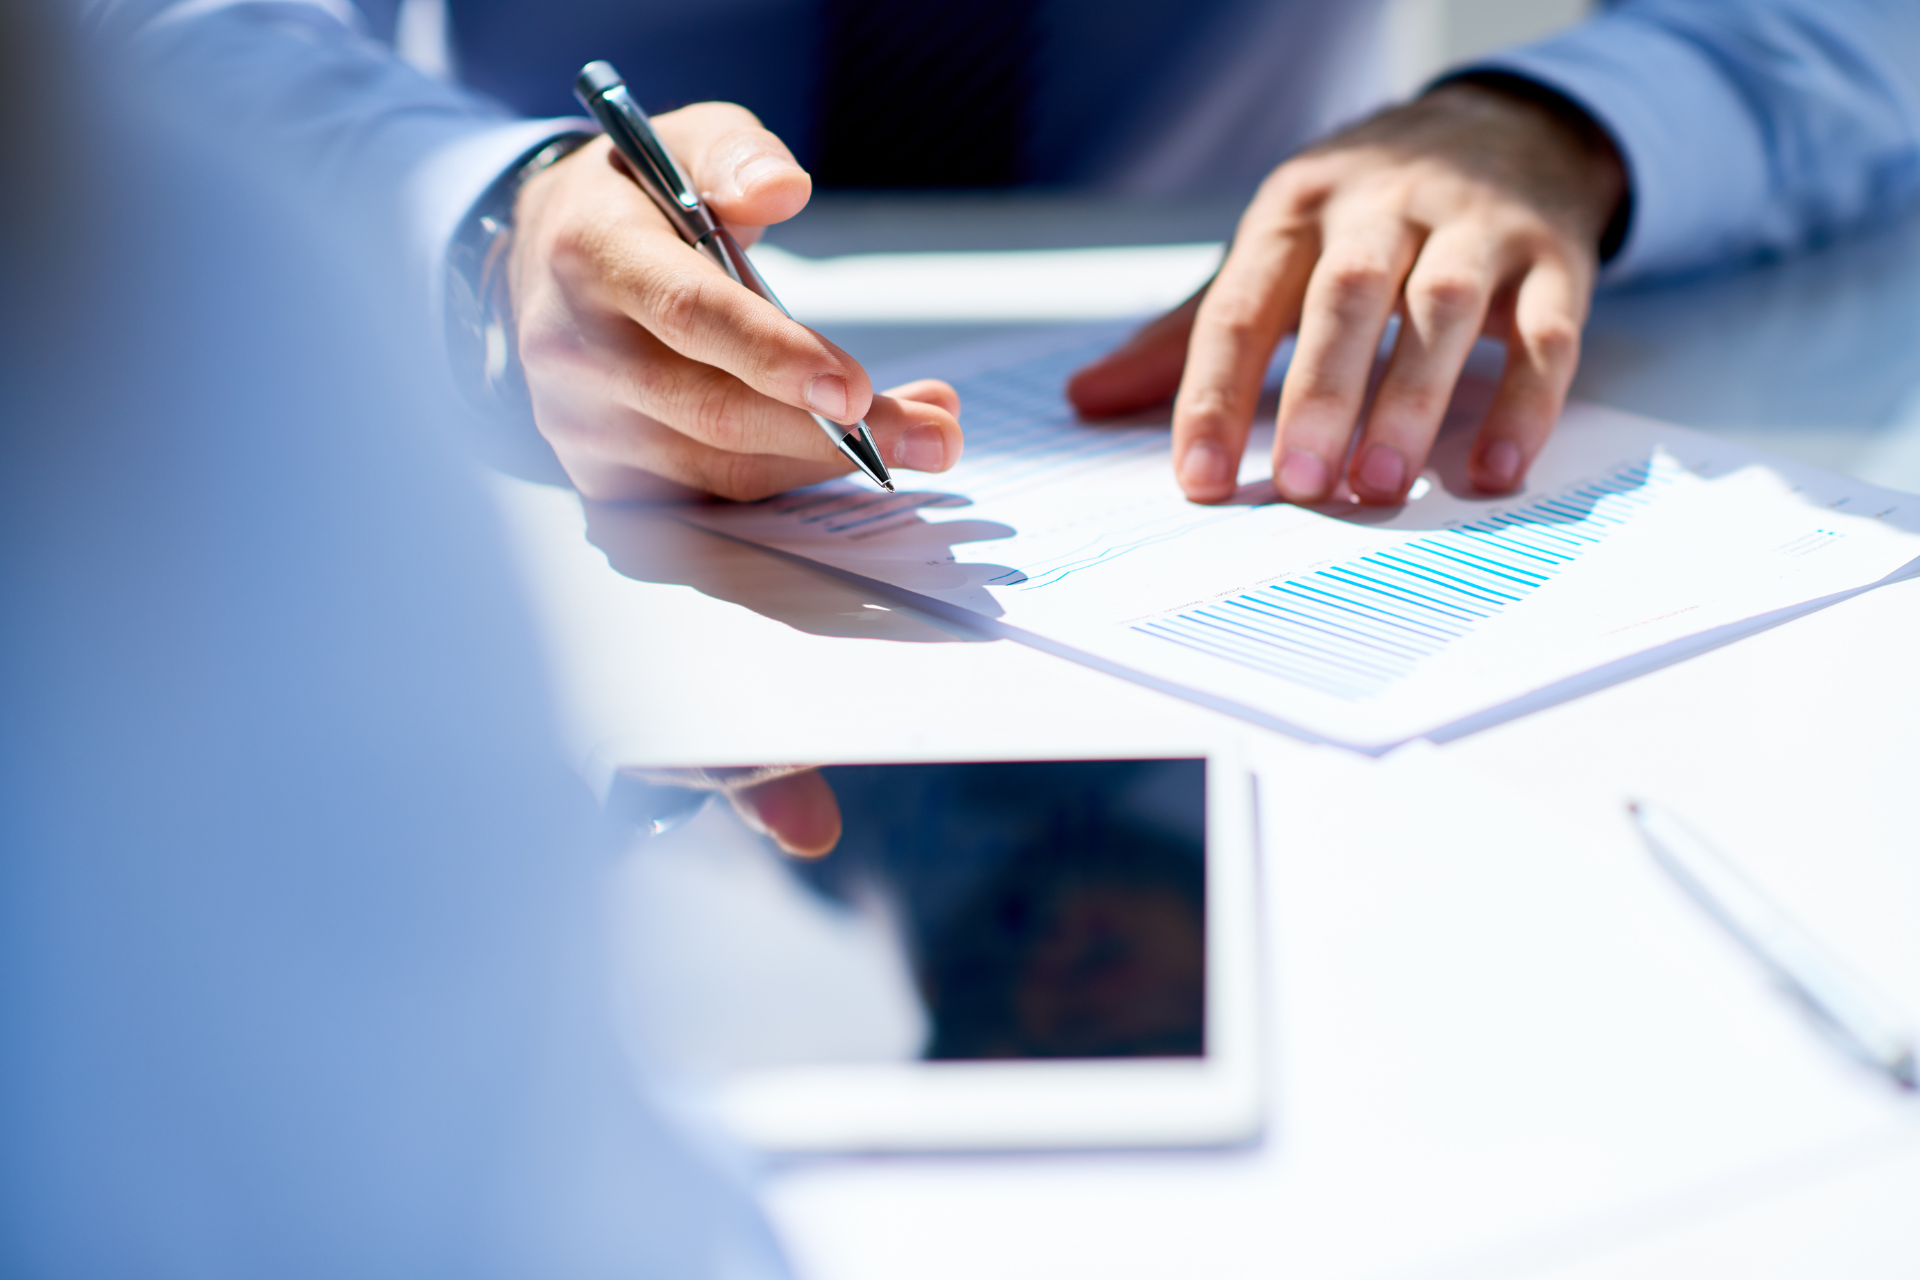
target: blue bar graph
<point>1352,630</point>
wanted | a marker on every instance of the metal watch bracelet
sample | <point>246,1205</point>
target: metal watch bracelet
<point>482,348</point>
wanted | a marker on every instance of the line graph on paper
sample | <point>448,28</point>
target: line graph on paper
<point>1355,628</point>
<point>1022,434</point>
<point>1022,441</point>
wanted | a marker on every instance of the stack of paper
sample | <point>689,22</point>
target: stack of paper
<point>1633,543</point>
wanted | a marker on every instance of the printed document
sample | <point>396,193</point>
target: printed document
<point>1361,625</point>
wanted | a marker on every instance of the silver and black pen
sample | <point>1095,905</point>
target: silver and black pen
<point>603,92</point>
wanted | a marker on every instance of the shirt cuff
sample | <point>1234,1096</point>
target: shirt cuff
<point>446,184</point>
<point>1696,165</point>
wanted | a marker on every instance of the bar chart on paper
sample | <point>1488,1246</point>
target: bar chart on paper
<point>1351,630</point>
<point>1361,625</point>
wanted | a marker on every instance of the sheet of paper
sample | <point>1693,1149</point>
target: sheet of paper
<point>983,286</point>
<point>1360,625</point>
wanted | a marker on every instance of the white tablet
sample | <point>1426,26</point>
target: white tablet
<point>1033,954</point>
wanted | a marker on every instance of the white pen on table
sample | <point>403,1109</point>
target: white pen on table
<point>1851,1012</point>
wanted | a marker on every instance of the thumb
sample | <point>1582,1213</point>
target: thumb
<point>744,173</point>
<point>1142,371</point>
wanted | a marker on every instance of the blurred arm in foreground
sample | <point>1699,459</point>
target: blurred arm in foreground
<point>298,972</point>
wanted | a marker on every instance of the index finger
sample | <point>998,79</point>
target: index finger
<point>1252,301</point>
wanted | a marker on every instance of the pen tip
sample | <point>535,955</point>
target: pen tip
<point>1903,1070</point>
<point>858,445</point>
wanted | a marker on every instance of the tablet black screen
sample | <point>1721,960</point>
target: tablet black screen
<point>1050,909</point>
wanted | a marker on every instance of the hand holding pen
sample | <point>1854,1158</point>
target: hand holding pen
<point>648,365</point>
<point>603,92</point>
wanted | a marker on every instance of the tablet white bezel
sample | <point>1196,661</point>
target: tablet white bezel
<point>1052,1103</point>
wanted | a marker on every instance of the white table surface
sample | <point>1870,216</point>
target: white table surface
<point>1502,1045</point>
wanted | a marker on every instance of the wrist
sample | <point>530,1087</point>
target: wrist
<point>482,346</point>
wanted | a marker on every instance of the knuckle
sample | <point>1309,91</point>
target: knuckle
<point>674,307</point>
<point>1423,401</point>
<point>1236,316</point>
<point>1555,339</point>
<point>1526,238</point>
<point>1355,285</point>
<point>707,410</point>
<point>1273,227</point>
<point>640,384</point>
<point>1447,298</point>
<point>1322,388</point>
<point>1300,184</point>
<point>555,426</point>
<point>776,362</point>
<point>1204,411</point>
<point>545,348</point>
<point>570,244</point>
<point>1322,396</point>
<point>567,255</point>
<point>1541,237</point>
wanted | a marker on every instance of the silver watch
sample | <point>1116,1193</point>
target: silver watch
<point>481,344</point>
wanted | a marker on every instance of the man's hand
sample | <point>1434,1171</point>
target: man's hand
<point>1467,211</point>
<point>647,364</point>
<point>794,804</point>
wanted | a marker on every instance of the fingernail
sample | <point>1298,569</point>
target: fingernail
<point>1204,467</point>
<point>1303,477</point>
<point>1502,463</point>
<point>757,168</point>
<point>922,449</point>
<point>1383,470</point>
<point>827,396</point>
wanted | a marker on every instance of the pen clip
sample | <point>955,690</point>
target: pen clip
<point>667,172</point>
<point>604,93</point>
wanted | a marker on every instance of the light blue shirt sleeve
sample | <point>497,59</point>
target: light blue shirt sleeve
<point>1749,127</point>
<point>400,153</point>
